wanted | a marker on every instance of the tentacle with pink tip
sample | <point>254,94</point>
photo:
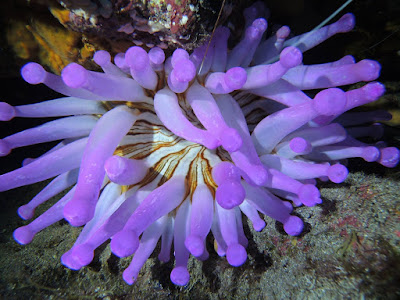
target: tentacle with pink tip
<point>166,105</point>
<point>124,89</point>
<point>65,128</point>
<point>294,147</point>
<point>67,106</point>
<point>251,212</point>
<point>311,39</point>
<point>230,192</point>
<point>103,140</point>
<point>304,170</point>
<point>34,73</point>
<point>103,59</point>
<point>115,212</point>
<point>316,77</point>
<point>148,242</point>
<point>354,98</point>
<point>273,207</point>
<point>235,252</point>
<point>183,71</point>
<point>246,158</point>
<point>209,114</point>
<point>25,234</point>
<point>56,186</point>
<point>139,63</point>
<point>242,54</point>
<point>320,136</point>
<point>272,129</point>
<point>338,152</point>
<point>55,163</point>
<point>157,58</point>
<point>180,274</point>
<point>225,83</point>
<point>200,221</point>
<point>308,194</point>
<point>264,75</point>
<point>269,50</point>
<point>160,201</point>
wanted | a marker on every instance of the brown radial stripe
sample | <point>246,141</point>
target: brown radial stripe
<point>191,176</point>
<point>142,150</point>
<point>170,161</point>
<point>206,171</point>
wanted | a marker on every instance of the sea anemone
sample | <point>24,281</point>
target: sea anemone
<point>175,148</point>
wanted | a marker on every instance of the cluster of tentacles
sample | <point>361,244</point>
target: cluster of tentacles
<point>176,147</point>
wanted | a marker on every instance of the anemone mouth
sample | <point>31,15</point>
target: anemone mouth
<point>175,148</point>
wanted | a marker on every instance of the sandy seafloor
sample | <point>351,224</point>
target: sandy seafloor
<point>348,250</point>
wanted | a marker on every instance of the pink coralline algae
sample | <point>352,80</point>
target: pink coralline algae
<point>173,148</point>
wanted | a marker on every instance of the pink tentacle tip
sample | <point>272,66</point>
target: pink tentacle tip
<point>78,212</point>
<point>128,277</point>
<point>33,73</point>
<point>337,173</point>
<point>102,57</point>
<point>293,225</point>
<point>261,24</point>
<point>26,212</point>
<point>124,243</point>
<point>180,276</point>
<point>68,260</point>
<point>124,171</point>
<point>5,148</point>
<point>230,194</point>
<point>119,60</point>
<point>7,112</point>
<point>83,254</point>
<point>291,57</point>
<point>374,90</point>
<point>368,69</point>
<point>252,33</point>
<point>236,255</point>
<point>283,32</point>
<point>347,22</point>
<point>309,195</point>
<point>235,78</point>
<point>156,55</point>
<point>389,157</point>
<point>23,235</point>
<point>184,70</point>
<point>74,75</point>
<point>259,225</point>
<point>137,58</point>
<point>300,145</point>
